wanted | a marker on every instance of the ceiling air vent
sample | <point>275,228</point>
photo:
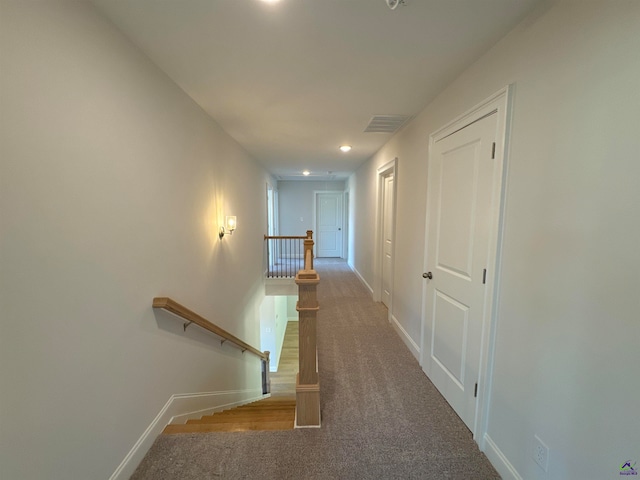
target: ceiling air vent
<point>393,4</point>
<point>386,123</point>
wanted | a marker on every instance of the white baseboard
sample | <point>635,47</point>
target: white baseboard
<point>178,409</point>
<point>355,270</point>
<point>499,460</point>
<point>408,341</point>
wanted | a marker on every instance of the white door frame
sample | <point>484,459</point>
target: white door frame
<point>315,219</point>
<point>390,167</point>
<point>345,225</point>
<point>272,221</point>
<point>500,102</point>
<point>272,210</point>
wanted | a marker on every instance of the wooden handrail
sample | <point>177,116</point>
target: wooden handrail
<point>285,255</point>
<point>308,236</point>
<point>174,307</point>
<point>283,237</point>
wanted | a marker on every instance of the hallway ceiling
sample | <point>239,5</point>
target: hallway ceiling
<point>294,80</point>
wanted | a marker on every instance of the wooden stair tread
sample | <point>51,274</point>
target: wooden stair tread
<point>257,413</point>
<point>270,402</point>
<point>227,427</point>
<point>252,410</point>
<point>274,413</point>
<point>256,409</point>
<point>263,407</point>
<point>283,382</point>
<point>242,419</point>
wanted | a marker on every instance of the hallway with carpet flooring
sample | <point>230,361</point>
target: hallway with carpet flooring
<point>381,416</point>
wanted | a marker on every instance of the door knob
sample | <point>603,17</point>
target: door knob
<point>428,275</point>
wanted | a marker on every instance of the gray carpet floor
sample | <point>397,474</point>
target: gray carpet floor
<point>381,416</point>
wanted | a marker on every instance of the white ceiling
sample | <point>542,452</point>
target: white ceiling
<point>292,81</point>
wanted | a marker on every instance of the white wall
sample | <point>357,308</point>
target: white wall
<point>292,313</point>
<point>112,186</point>
<point>362,188</point>
<point>273,324</point>
<point>567,352</point>
<point>280,307</point>
<point>296,202</point>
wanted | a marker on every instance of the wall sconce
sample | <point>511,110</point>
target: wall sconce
<point>229,226</point>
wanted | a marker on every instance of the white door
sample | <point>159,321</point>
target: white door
<point>387,239</point>
<point>460,211</point>
<point>329,224</point>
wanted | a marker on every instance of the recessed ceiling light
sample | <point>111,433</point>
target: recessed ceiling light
<point>270,1</point>
<point>306,173</point>
<point>345,148</point>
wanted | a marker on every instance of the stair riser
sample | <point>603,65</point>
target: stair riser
<point>205,428</point>
<point>239,420</point>
<point>270,414</point>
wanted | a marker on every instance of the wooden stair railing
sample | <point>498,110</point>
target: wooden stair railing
<point>307,382</point>
<point>284,255</point>
<point>190,316</point>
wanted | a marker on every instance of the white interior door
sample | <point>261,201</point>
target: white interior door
<point>460,211</point>
<point>387,239</point>
<point>329,224</point>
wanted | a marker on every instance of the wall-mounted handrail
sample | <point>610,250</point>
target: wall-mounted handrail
<point>285,237</point>
<point>190,316</point>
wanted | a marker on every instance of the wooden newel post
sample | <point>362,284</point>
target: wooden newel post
<point>308,247</point>
<point>307,383</point>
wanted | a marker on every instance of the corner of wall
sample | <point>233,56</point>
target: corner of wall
<point>361,278</point>
<point>406,338</point>
<point>499,460</point>
<point>178,409</point>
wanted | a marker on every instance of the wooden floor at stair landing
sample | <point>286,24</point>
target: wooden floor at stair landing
<point>274,413</point>
<point>283,382</point>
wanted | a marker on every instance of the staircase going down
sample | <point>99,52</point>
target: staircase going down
<point>274,413</point>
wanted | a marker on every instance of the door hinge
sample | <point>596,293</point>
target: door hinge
<point>484,276</point>
<point>493,150</point>
<point>475,392</point>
